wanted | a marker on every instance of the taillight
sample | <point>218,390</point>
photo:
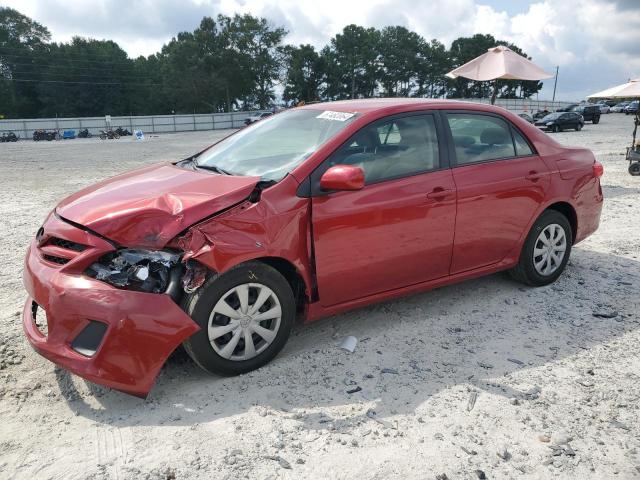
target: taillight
<point>598,169</point>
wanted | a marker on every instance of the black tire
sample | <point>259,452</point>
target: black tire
<point>578,127</point>
<point>200,304</point>
<point>634,169</point>
<point>596,120</point>
<point>525,271</point>
<point>555,128</point>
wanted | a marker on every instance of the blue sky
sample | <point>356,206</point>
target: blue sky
<point>596,43</point>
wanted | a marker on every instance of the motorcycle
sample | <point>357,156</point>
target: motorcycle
<point>39,135</point>
<point>52,135</point>
<point>9,137</point>
<point>84,133</point>
<point>110,134</point>
<point>123,132</point>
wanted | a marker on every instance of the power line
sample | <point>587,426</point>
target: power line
<point>21,80</point>
<point>73,74</point>
<point>47,56</point>
<point>62,51</point>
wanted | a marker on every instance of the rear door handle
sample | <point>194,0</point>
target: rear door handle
<point>533,176</point>
<point>439,193</point>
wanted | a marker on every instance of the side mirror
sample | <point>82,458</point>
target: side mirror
<point>342,177</point>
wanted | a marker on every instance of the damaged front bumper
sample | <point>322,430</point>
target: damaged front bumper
<point>110,336</point>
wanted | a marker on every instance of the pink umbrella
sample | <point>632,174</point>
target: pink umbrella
<point>499,62</point>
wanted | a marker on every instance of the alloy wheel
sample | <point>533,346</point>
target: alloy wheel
<point>549,249</point>
<point>245,321</point>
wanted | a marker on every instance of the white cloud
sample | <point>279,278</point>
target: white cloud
<point>596,43</point>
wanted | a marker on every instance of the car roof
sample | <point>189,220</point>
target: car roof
<point>371,105</point>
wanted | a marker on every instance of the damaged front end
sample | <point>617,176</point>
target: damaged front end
<point>151,271</point>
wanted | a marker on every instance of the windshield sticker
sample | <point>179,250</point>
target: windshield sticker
<point>338,116</point>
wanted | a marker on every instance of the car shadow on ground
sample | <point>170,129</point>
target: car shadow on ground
<point>478,334</point>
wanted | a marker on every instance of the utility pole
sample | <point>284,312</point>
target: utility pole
<point>555,84</point>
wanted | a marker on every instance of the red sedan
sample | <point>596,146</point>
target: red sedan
<point>307,213</point>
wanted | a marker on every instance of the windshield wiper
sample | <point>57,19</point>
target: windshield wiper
<point>212,168</point>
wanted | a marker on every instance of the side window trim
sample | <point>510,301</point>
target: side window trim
<point>453,159</point>
<point>308,188</point>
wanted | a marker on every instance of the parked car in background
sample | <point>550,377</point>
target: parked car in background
<point>257,117</point>
<point>619,107</point>
<point>559,121</point>
<point>568,108</point>
<point>68,134</point>
<point>632,107</point>
<point>604,108</point>
<point>526,116</point>
<point>590,113</point>
<point>282,219</point>
<point>540,114</point>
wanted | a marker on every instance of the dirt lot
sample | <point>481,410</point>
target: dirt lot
<point>556,388</point>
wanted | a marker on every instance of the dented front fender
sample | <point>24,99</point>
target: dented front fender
<point>276,225</point>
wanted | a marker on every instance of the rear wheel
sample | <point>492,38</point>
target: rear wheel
<point>596,120</point>
<point>578,127</point>
<point>245,315</point>
<point>634,169</point>
<point>546,250</point>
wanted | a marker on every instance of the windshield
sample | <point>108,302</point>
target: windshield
<point>274,146</point>
<point>552,116</point>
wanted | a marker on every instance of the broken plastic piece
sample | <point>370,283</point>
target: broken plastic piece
<point>143,270</point>
<point>194,277</point>
<point>349,344</point>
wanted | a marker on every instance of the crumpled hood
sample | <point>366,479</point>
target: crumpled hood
<point>148,207</point>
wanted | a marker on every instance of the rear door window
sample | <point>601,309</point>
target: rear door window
<point>522,146</point>
<point>479,138</point>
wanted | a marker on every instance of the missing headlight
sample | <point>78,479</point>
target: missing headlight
<point>143,270</point>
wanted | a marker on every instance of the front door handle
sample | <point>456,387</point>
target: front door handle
<point>533,176</point>
<point>439,193</point>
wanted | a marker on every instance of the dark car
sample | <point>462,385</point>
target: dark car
<point>590,113</point>
<point>526,116</point>
<point>632,107</point>
<point>257,117</point>
<point>568,108</point>
<point>558,121</point>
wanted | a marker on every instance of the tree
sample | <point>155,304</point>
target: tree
<point>23,43</point>
<point>260,46</point>
<point>432,64</point>
<point>305,73</point>
<point>85,76</point>
<point>399,57</point>
<point>352,59</point>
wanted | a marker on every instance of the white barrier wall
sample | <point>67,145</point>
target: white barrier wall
<point>148,124</point>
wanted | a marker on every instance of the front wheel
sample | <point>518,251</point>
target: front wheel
<point>546,250</point>
<point>555,129</point>
<point>634,169</point>
<point>245,315</point>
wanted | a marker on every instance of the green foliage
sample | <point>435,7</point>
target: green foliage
<point>304,75</point>
<point>227,63</point>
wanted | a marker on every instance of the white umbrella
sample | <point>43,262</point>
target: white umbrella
<point>626,90</point>
<point>500,63</point>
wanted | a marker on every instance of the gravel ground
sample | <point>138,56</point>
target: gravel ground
<point>484,378</point>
